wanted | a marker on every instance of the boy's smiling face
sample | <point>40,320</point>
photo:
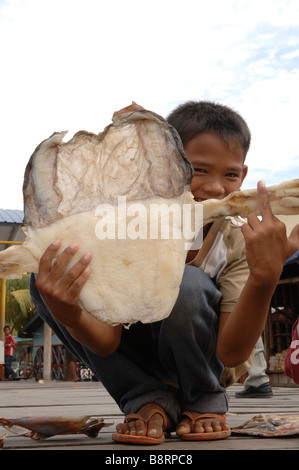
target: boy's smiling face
<point>218,167</point>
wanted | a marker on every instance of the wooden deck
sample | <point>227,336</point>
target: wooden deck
<point>30,398</point>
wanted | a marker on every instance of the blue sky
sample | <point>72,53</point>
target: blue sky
<point>69,64</point>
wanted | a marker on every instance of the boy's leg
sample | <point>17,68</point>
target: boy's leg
<point>188,340</point>
<point>8,370</point>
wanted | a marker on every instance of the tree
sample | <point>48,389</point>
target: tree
<point>19,306</point>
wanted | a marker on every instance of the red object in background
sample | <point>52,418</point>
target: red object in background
<point>291,362</point>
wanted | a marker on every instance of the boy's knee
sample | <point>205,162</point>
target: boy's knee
<point>197,288</point>
<point>195,305</point>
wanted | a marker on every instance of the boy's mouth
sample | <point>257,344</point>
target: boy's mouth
<point>201,199</point>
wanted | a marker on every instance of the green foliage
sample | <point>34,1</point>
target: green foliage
<point>19,306</point>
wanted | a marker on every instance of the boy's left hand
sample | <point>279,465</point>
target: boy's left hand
<point>267,244</point>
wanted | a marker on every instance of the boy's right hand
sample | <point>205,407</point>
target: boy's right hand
<point>267,244</point>
<point>61,287</point>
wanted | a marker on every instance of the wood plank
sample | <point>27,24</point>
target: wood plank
<point>51,398</point>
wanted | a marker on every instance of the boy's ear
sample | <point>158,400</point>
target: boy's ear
<point>244,172</point>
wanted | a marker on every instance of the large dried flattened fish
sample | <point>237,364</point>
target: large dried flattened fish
<point>42,427</point>
<point>138,157</point>
<point>136,163</point>
<point>271,426</point>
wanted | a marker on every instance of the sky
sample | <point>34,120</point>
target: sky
<point>69,64</point>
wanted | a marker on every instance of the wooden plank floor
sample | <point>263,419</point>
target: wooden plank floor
<point>58,398</point>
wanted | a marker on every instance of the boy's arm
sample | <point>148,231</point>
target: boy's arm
<point>61,291</point>
<point>267,249</point>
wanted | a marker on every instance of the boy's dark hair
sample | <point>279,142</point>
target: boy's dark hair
<point>194,117</point>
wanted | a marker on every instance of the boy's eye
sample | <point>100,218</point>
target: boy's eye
<point>200,170</point>
<point>232,175</point>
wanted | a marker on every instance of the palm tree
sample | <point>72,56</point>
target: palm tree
<point>19,306</point>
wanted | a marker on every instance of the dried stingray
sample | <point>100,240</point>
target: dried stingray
<point>136,164</point>
<point>43,427</point>
<point>273,426</point>
<point>138,157</point>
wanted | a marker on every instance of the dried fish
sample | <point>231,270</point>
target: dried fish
<point>137,161</point>
<point>43,427</point>
<point>272,426</point>
<point>2,439</point>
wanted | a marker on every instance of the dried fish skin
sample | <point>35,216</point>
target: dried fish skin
<point>44,427</point>
<point>139,155</point>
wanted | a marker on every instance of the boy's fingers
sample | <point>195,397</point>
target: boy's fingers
<point>77,284</point>
<point>264,202</point>
<point>79,270</point>
<point>46,259</point>
<point>61,262</point>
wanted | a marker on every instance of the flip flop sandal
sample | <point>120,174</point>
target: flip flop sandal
<point>203,436</point>
<point>132,439</point>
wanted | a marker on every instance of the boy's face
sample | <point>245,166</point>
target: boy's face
<point>218,167</point>
<point>7,331</point>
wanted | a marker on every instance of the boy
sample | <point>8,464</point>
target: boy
<point>10,345</point>
<point>170,375</point>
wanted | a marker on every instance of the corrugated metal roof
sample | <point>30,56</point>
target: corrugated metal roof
<point>11,216</point>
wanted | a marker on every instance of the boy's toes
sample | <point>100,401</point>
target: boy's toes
<point>195,423</point>
<point>184,427</point>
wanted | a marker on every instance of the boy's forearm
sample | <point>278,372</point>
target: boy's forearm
<point>98,337</point>
<point>244,325</point>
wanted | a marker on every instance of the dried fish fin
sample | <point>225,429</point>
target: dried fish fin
<point>93,428</point>
<point>284,200</point>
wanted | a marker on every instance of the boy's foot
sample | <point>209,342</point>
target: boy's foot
<point>196,426</point>
<point>145,427</point>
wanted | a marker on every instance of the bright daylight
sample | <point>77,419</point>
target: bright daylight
<point>149,228</point>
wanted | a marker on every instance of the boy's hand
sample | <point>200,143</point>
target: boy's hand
<point>61,288</point>
<point>267,245</point>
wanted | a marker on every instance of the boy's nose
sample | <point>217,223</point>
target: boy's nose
<point>214,190</point>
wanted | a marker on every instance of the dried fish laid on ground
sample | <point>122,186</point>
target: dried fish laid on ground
<point>271,426</point>
<point>3,439</point>
<point>43,427</point>
<point>124,196</point>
